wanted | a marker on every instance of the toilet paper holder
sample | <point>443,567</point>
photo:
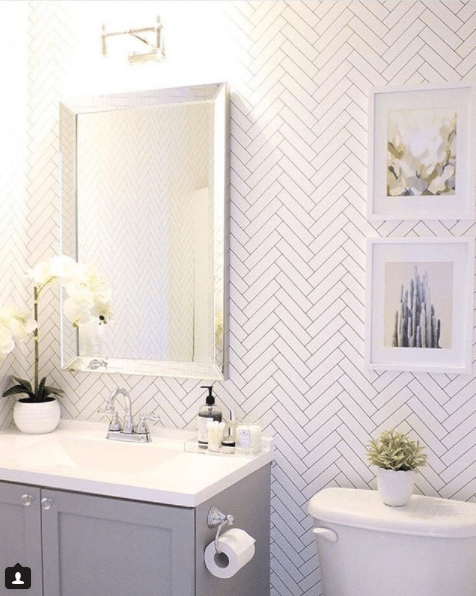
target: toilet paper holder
<point>217,518</point>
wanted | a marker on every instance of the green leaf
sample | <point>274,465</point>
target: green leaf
<point>26,384</point>
<point>54,390</point>
<point>41,390</point>
<point>16,390</point>
<point>24,387</point>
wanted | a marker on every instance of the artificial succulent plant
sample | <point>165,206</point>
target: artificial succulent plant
<point>395,451</point>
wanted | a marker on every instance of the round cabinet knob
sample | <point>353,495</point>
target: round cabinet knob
<point>46,503</point>
<point>26,500</point>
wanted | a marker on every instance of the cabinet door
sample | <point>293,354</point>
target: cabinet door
<point>99,546</point>
<point>20,532</point>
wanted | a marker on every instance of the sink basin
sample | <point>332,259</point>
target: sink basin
<point>113,455</point>
<point>100,454</point>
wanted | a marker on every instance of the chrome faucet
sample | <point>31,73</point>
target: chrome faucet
<point>126,431</point>
<point>128,427</point>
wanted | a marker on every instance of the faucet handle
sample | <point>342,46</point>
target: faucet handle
<point>108,409</point>
<point>114,422</point>
<point>142,427</point>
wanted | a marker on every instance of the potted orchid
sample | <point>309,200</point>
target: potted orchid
<point>88,298</point>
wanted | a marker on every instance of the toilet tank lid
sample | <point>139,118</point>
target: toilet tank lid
<point>423,516</point>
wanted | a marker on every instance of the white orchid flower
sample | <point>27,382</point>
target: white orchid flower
<point>41,273</point>
<point>102,311</point>
<point>63,266</point>
<point>88,297</point>
<point>79,274</point>
<point>13,325</point>
<point>78,312</point>
<point>23,325</point>
<point>6,343</point>
<point>58,267</point>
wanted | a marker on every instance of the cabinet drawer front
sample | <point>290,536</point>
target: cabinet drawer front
<point>99,545</point>
<point>20,532</point>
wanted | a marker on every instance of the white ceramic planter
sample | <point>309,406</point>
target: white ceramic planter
<point>395,486</point>
<point>36,418</point>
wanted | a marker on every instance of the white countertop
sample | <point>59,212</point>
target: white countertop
<point>77,456</point>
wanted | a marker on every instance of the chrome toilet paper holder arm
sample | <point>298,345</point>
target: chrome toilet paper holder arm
<point>217,518</point>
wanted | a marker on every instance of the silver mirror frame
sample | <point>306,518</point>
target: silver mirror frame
<point>70,110</point>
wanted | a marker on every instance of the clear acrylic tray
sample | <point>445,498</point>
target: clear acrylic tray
<point>193,447</point>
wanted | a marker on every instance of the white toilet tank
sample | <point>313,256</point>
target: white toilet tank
<point>366,548</point>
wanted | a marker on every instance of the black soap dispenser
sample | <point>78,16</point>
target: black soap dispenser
<point>209,411</point>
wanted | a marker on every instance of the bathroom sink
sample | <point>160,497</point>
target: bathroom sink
<point>77,456</point>
<point>89,452</point>
<point>115,456</point>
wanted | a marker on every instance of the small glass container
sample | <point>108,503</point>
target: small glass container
<point>248,439</point>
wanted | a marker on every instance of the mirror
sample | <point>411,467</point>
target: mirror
<point>144,195</point>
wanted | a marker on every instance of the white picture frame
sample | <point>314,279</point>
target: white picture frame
<point>422,153</point>
<point>441,272</point>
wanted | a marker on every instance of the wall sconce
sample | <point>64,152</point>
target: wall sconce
<point>157,45</point>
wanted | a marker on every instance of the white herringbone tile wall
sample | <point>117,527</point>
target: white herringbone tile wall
<point>299,74</point>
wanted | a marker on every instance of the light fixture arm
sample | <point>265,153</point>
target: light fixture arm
<point>157,52</point>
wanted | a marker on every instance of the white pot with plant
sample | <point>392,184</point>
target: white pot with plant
<point>396,458</point>
<point>88,299</point>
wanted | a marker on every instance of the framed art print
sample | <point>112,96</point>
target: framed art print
<point>419,304</point>
<point>421,153</point>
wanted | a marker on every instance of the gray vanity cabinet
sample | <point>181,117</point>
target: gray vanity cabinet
<point>20,532</point>
<point>100,545</point>
<point>79,544</point>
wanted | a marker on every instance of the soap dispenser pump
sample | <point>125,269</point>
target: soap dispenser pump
<point>209,411</point>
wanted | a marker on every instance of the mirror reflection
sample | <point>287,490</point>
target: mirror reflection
<point>143,197</point>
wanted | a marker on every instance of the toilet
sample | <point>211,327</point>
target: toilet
<point>366,548</point>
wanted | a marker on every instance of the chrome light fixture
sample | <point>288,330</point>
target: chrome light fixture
<point>154,42</point>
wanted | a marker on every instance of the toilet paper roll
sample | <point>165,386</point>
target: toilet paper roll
<point>237,549</point>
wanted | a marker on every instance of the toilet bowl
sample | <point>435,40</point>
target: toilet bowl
<point>365,548</point>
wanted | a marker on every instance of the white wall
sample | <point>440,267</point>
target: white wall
<point>299,74</point>
<point>13,170</point>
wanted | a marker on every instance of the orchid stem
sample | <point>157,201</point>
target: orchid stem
<point>36,339</point>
